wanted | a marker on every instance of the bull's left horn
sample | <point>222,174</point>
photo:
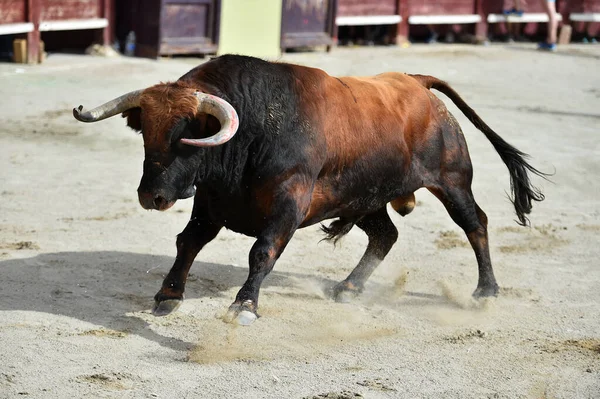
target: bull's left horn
<point>111,108</point>
<point>221,110</point>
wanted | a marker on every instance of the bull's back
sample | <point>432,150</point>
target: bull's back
<point>363,116</point>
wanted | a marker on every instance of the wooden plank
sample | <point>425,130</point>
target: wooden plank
<point>184,41</point>
<point>525,18</point>
<point>55,10</point>
<point>331,27</point>
<point>217,22</point>
<point>184,20</point>
<point>307,23</point>
<point>402,27</point>
<point>193,47</point>
<point>170,26</point>
<point>357,8</point>
<point>148,30</point>
<point>441,7</point>
<point>300,16</point>
<point>585,17</point>
<point>33,38</point>
<point>481,28</point>
<point>20,51</point>
<point>368,20</point>
<point>306,39</point>
<point>11,29</point>
<point>73,24</point>
<point>444,19</point>
<point>106,12</point>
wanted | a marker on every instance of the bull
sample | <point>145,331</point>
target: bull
<point>267,148</point>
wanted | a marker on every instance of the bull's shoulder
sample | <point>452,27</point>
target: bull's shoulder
<point>306,78</point>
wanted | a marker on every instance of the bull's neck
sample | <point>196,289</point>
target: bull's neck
<point>222,166</point>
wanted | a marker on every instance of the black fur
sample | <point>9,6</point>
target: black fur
<point>264,97</point>
<point>337,229</point>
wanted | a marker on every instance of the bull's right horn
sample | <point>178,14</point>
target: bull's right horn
<point>225,114</point>
<point>111,108</point>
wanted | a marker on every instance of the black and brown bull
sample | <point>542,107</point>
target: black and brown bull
<point>306,147</point>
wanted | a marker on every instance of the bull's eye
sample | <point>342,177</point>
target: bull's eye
<point>176,131</point>
<point>186,128</point>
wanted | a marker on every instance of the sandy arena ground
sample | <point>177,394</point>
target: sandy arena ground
<point>80,260</point>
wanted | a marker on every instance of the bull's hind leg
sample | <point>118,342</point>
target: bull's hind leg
<point>382,235</point>
<point>465,212</point>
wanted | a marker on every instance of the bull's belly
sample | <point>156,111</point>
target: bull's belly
<point>355,191</point>
<point>357,195</point>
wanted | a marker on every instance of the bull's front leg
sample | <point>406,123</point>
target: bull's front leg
<point>287,213</point>
<point>198,232</point>
<point>263,255</point>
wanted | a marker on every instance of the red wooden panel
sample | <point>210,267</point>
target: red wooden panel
<point>12,11</point>
<point>584,6</point>
<point>532,6</point>
<point>53,10</point>
<point>367,7</point>
<point>441,7</point>
<point>304,16</point>
<point>529,6</point>
<point>493,6</point>
<point>169,26</point>
<point>307,23</point>
<point>592,6</point>
<point>185,20</point>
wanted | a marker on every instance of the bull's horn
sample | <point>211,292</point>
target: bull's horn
<point>111,108</point>
<point>221,110</point>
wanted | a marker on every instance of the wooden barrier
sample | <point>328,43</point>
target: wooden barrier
<point>28,18</point>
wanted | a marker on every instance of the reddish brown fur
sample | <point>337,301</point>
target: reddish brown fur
<point>391,112</point>
<point>386,105</point>
<point>161,106</point>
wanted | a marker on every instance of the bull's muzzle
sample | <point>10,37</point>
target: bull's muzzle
<point>154,201</point>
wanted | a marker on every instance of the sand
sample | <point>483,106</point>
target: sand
<point>80,260</point>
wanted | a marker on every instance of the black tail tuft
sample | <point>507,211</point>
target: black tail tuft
<point>337,229</point>
<point>523,192</point>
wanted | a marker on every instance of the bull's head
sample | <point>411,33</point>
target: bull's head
<point>171,117</point>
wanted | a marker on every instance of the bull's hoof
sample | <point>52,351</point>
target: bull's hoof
<point>345,292</point>
<point>486,292</point>
<point>241,314</point>
<point>165,307</point>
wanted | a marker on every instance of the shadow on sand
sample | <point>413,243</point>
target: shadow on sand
<point>103,287</point>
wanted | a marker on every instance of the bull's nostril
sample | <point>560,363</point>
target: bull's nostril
<point>159,202</point>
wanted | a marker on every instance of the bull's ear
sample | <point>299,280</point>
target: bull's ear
<point>134,118</point>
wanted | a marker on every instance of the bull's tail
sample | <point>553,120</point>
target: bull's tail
<point>337,229</point>
<point>523,192</point>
